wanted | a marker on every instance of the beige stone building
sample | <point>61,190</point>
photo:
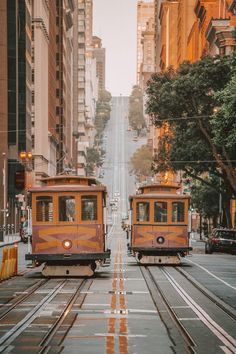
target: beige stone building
<point>100,55</point>
<point>148,65</point>
<point>52,84</point>
<point>145,11</point>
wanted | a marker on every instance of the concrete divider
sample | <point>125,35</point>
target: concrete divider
<point>9,262</point>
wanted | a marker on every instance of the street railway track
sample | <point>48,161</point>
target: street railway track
<point>9,338</point>
<point>21,298</point>
<point>166,312</point>
<point>45,342</point>
<point>221,304</point>
<point>159,292</point>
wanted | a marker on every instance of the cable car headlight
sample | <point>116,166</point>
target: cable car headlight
<point>67,244</point>
<point>160,239</point>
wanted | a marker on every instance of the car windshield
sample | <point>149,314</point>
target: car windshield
<point>226,234</point>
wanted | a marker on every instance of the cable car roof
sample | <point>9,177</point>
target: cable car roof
<point>69,183</point>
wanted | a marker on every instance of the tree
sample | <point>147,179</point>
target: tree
<point>141,162</point>
<point>136,118</point>
<point>93,160</point>
<point>103,111</point>
<point>104,96</point>
<point>205,200</point>
<point>186,101</point>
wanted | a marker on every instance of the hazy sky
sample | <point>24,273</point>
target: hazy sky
<point>115,23</point>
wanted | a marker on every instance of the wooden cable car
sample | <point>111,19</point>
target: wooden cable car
<point>159,224</point>
<point>68,229</point>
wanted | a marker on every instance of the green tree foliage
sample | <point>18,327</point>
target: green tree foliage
<point>104,96</point>
<point>141,162</point>
<point>205,199</point>
<point>136,118</point>
<point>93,160</point>
<point>103,112</point>
<point>186,101</point>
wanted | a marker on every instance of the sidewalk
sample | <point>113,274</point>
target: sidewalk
<point>196,237</point>
<point>10,240</point>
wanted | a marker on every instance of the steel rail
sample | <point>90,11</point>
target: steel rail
<point>57,324</point>
<point>214,327</point>
<point>217,301</point>
<point>151,282</point>
<point>16,330</point>
<point>21,298</point>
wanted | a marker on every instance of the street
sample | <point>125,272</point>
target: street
<point>119,309</point>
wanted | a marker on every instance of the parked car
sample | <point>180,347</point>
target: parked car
<point>26,232</point>
<point>221,240</point>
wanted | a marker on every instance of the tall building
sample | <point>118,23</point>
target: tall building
<point>189,30</point>
<point>64,62</point>
<point>19,15</point>
<point>52,88</point>
<point>53,138</point>
<point>145,11</point>
<point>91,76</point>
<point>89,23</point>
<point>81,147</point>
<point>100,56</point>
<point>157,35</point>
<point>169,35</point>
<point>148,65</point>
<point>213,30</point>
<point>40,90</point>
<point>15,100</point>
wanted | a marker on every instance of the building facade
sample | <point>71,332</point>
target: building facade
<point>189,30</point>
<point>15,100</point>
<point>213,29</point>
<point>100,55</point>
<point>145,11</point>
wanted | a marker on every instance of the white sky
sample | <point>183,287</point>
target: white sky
<point>114,21</point>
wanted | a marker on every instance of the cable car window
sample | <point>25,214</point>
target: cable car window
<point>89,207</point>
<point>177,212</point>
<point>44,208</point>
<point>66,208</point>
<point>142,211</point>
<point>160,212</point>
